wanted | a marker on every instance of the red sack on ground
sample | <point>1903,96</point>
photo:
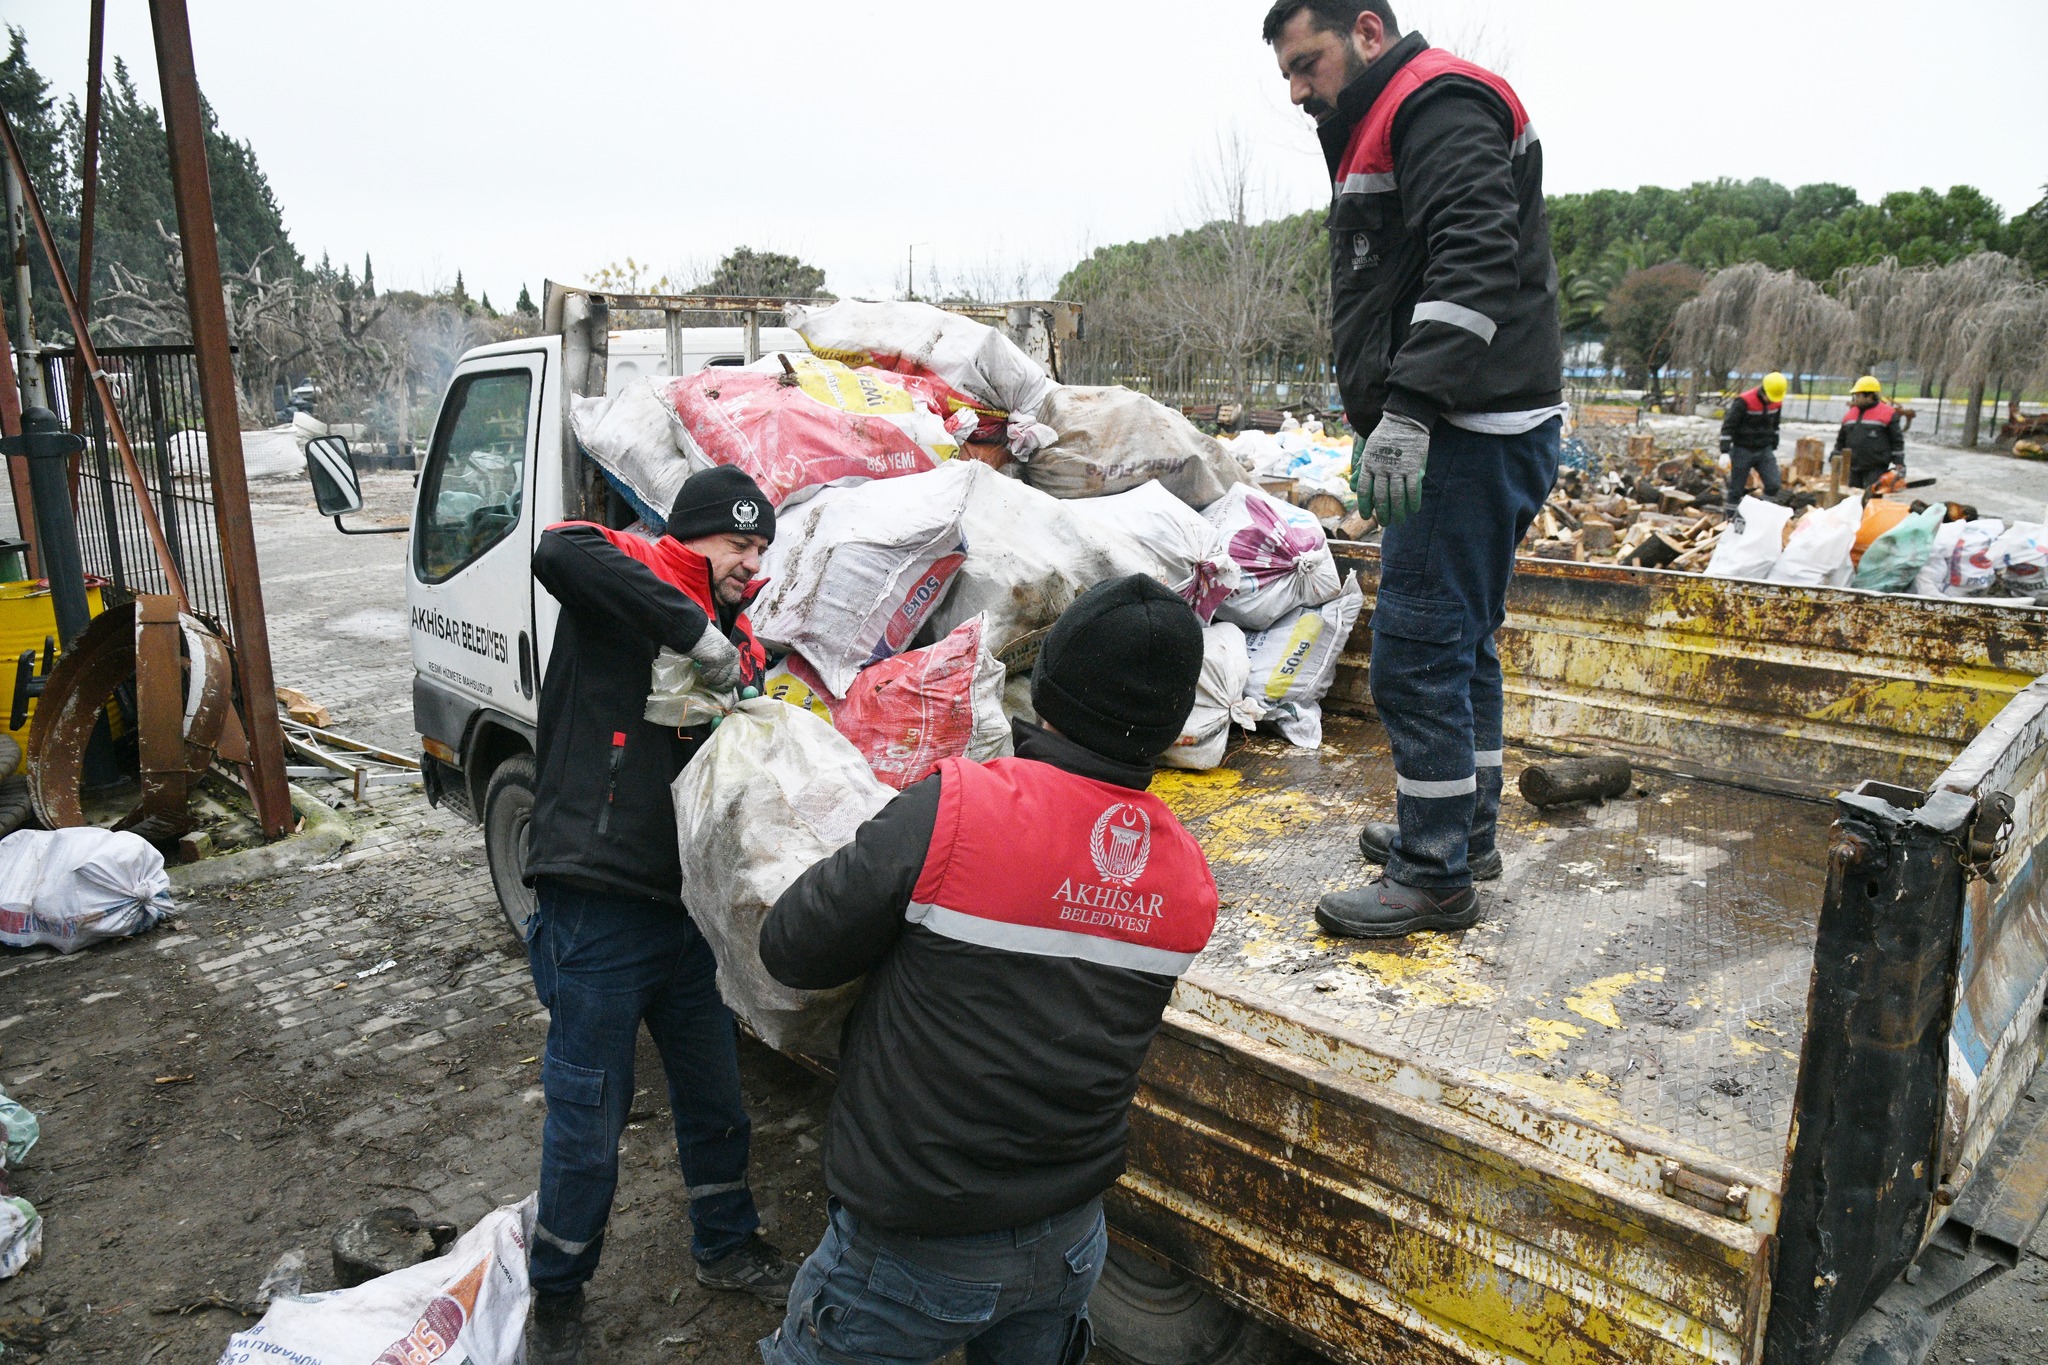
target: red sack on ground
<point>818,425</point>
<point>908,713</point>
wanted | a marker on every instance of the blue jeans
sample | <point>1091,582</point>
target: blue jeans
<point>602,964</point>
<point>1740,462</point>
<point>867,1297</point>
<point>1436,680</point>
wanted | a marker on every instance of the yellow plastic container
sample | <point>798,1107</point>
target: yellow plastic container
<point>27,618</point>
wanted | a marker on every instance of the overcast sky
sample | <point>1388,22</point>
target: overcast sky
<point>516,140</point>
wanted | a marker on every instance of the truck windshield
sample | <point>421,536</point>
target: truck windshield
<point>475,481</point>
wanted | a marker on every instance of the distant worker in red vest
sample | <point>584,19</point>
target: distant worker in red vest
<point>1749,436</point>
<point>1444,320</point>
<point>1873,434</point>
<point>1021,925</point>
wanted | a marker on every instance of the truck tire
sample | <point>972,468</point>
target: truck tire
<point>508,816</point>
<point>1148,1314</point>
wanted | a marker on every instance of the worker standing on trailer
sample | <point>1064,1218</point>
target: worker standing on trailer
<point>1021,925</point>
<point>1749,436</point>
<point>1448,353</point>
<point>611,944</point>
<point>1873,434</point>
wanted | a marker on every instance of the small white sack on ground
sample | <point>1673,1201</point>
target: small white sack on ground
<point>1220,701</point>
<point>973,357</point>
<point>1294,663</point>
<point>854,572</point>
<point>71,887</point>
<point>1113,440</point>
<point>1283,552</point>
<point>774,791</point>
<point>1817,555</point>
<point>21,1235</point>
<point>1177,545</point>
<point>1752,551</point>
<point>467,1305</point>
<point>633,438</point>
<point>1933,575</point>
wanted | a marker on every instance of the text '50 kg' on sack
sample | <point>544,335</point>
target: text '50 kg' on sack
<point>854,572</point>
<point>816,424</point>
<point>910,713</point>
<point>71,887</point>
<point>466,1307</point>
<point>773,791</point>
<point>1294,663</point>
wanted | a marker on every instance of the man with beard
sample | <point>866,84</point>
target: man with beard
<point>1451,364</point>
<point>611,944</point>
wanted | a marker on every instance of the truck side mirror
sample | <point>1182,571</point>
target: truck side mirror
<point>336,489</point>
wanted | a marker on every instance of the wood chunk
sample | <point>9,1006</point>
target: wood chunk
<point>1563,781</point>
<point>304,709</point>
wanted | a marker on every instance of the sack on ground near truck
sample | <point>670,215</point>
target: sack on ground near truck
<point>908,714</point>
<point>1181,548</point>
<point>854,572</point>
<point>21,1235</point>
<point>773,791</point>
<point>1752,543</point>
<point>632,436</point>
<point>971,356</point>
<point>19,1130</point>
<point>71,887</point>
<point>1896,557</point>
<point>1113,440</point>
<point>1817,555</point>
<point>467,1307</point>
<point>814,426</point>
<point>1281,549</point>
<point>1220,701</point>
<point>1294,663</point>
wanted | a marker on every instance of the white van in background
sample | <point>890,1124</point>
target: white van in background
<point>643,352</point>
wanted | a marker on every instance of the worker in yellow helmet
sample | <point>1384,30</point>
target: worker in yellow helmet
<point>1749,436</point>
<point>1873,434</point>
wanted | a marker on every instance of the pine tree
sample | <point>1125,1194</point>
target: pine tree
<point>489,311</point>
<point>460,294</point>
<point>369,278</point>
<point>525,304</point>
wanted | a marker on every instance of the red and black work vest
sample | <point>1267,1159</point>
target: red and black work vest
<point>1878,414</point>
<point>1368,166</point>
<point>690,574</point>
<point>1030,858</point>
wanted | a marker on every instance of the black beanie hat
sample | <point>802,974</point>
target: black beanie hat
<point>1118,670</point>
<point>721,500</point>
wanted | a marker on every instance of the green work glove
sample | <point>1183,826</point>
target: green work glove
<point>749,693</point>
<point>1388,469</point>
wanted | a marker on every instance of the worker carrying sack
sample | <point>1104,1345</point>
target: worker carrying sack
<point>912,712</point>
<point>1282,552</point>
<point>467,1305</point>
<point>1112,440</point>
<point>1294,663</point>
<point>772,792</point>
<point>854,572</point>
<point>1220,701</point>
<point>799,423</point>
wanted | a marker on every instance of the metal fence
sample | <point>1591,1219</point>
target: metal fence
<point>156,391</point>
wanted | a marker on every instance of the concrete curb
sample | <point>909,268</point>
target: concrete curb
<point>326,833</point>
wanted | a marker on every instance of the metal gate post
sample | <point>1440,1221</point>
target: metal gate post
<point>186,132</point>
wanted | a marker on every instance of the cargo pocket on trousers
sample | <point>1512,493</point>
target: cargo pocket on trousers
<point>1425,620</point>
<point>909,1309</point>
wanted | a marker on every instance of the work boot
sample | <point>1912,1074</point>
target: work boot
<point>555,1336</point>
<point>1387,909</point>
<point>756,1268</point>
<point>1376,842</point>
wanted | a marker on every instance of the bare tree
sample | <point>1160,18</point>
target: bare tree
<point>1750,317</point>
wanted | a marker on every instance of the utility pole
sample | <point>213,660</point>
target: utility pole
<point>910,276</point>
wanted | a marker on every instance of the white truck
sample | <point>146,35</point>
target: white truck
<point>1741,1070</point>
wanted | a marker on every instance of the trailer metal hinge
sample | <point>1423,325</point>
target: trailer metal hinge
<point>1990,834</point>
<point>1705,1193</point>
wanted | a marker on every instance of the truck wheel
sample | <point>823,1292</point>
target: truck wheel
<point>1148,1314</point>
<point>508,816</point>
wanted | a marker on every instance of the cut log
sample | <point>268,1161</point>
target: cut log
<point>1658,551</point>
<point>1566,780</point>
<point>1596,535</point>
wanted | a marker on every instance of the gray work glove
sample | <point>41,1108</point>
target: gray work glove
<point>1390,468</point>
<point>718,662</point>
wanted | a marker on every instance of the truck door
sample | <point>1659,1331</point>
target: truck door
<point>471,589</point>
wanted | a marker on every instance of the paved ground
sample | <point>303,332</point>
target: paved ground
<point>246,1081</point>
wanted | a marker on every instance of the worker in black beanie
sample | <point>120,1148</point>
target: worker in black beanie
<point>1021,925</point>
